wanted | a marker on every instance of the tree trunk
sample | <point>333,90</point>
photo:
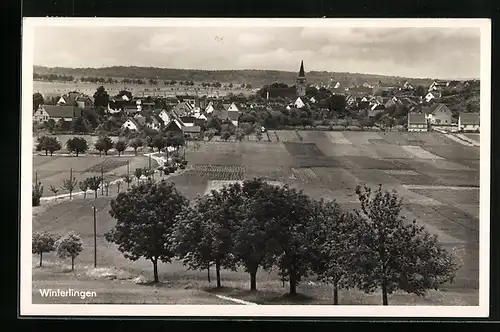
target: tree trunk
<point>72,263</point>
<point>106,152</point>
<point>95,193</point>
<point>217,270</point>
<point>385,300</point>
<point>41,253</point>
<point>77,153</point>
<point>155,269</point>
<point>208,273</point>
<point>100,153</point>
<point>84,194</point>
<point>335,293</point>
<point>135,152</point>
<point>46,153</point>
<point>51,152</point>
<point>293,282</point>
<point>253,280</point>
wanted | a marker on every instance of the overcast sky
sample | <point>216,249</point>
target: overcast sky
<point>410,52</point>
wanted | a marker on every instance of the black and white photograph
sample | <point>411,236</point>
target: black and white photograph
<point>255,167</point>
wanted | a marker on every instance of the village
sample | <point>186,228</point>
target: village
<point>439,107</point>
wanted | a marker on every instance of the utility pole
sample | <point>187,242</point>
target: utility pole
<point>70,181</point>
<point>36,178</point>
<point>95,239</point>
<point>102,180</point>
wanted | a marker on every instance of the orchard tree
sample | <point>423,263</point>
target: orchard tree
<point>138,173</point>
<point>54,190</point>
<point>101,97</point>
<point>239,134</point>
<point>77,145</point>
<point>127,178</point>
<point>69,185</point>
<point>333,240</point>
<point>258,134</point>
<point>118,186</point>
<point>203,232</point>
<point>84,186</point>
<point>393,253</point>
<point>69,245</point>
<point>48,144</point>
<point>145,218</point>
<point>251,236</point>
<point>94,183</point>
<point>135,144</point>
<point>104,143</point>
<point>159,142</point>
<point>43,242</point>
<point>120,146</point>
<point>210,134</point>
<point>288,213</point>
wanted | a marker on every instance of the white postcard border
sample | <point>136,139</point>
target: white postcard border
<point>26,306</point>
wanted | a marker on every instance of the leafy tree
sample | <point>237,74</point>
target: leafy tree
<point>118,186</point>
<point>94,183</point>
<point>289,213</point>
<point>37,100</point>
<point>395,254</point>
<point>247,129</point>
<point>225,134</point>
<point>258,134</point>
<point>84,186</point>
<point>210,134</point>
<point>36,194</point>
<point>69,245</point>
<point>214,122</point>
<point>50,124</point>
<point>77,145</point>
<point>127,178</point>
<point>80,125</point>
<point>138,173</point>
<point>145,218</point>
<point>251,235</point>
<point>202,234</point>
<point>159,142</point>
<point>48,144</point>
<point>54,190</point>
<point>120,146</point>
<point>69,185</point>
<point>333,237</point>
<point>104,143</point>
<point>107,185</point>
<point>135,144</point>
<point>43,242</point>
<point>239,134</point>
<point>101,97</point>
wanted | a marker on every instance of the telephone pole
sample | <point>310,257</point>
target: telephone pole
<point>102,180</point>
<point>70,181</point>
<point>95,239</point>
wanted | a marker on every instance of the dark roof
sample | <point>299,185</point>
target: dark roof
<point>156,118</point>
<point>192,129</point>
<point>416,118</point>
<point>469,118</point>
<point>434,108</point>
<point>55,111</point>
<point>301,71</point>
<point>233,116</point>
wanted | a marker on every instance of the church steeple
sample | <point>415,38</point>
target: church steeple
<point>301,71</point>
<point>301,81</point>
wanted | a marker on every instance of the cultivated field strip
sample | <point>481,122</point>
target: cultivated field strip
<point>337,137</point>
<point>419,153</point>
<point>217,172</point>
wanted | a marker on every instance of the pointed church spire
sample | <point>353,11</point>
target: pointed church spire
<point>301,71</point>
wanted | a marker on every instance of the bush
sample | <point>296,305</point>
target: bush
<point>182,166</point>
<point>184,162</point>
<point>36,194</point>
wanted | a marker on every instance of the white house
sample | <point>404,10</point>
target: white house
<point>468,122</point>
<point>210,108</point>
<point>299,103</point>
<point>417,122</point>
<point>407,86</point>
<point>432,95</point>
<point>131,124</point>
<point>46,112</point>
<point>233,108</point>
<point>164,116</point>
<point>337,85</point>
<point>312,100</point>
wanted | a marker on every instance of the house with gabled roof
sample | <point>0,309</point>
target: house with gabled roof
<point>468,122</point>
<point>417,122</point>
<point>438,85</point>
<point>407,86</point>
<point>154,122</point>
<point>56,113</point>
<point>432,95</point>
<point>210,108</point>
<point>438,114</point>
<point>300,103</point>
<point>131,124</point>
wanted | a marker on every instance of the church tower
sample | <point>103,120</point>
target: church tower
<point>301,81</point>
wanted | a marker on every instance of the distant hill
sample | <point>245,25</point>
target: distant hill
<point>257,78</point>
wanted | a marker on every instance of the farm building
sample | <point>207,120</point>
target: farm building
<point>131,124</point>
<point>154,122</point>
<point>55,112</point>
<point>174,126</point>
<point>468,122</point>
<point>417,122</point>
<point>299,103</point>
<point>164,116</point>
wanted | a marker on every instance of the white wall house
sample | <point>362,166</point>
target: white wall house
<point>233,108</point>
<point>299,103</point>
<point>164,116</point>
<point>130,124</point>
<point>468,122</point>
<point>210,108</point>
